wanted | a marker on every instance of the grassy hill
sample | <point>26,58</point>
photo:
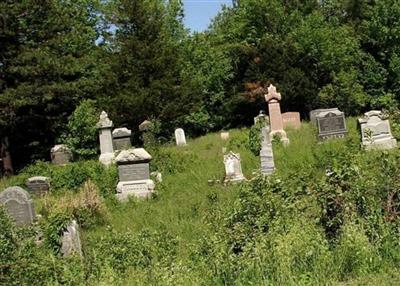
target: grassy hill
<point>328,216</point>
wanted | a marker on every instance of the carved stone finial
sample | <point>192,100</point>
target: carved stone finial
<point>104,121</point>
<point>272,94</point>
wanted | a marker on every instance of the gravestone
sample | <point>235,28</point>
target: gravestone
<point>105,126</point>
<point>180,137</point>
<point>18,205</point>
<point>266,153</point>
<point>314,113</point>
<point>134,174</point>
<point>375,131</point>
<point>145,125</point>
<point>262,118</point>
<point>38,185</point>
<point>225,136</point>
<point>273,97</point>
<point>331,124</point>
<point>291,120</point>
<point>71,241</point>
<point>233,169</point>
<point>60,155</point>
<point>122,138</point>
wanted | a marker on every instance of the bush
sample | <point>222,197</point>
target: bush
<point>255,138</point>
<point>81,135</point>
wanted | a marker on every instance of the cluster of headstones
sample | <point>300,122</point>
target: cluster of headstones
<point>19,206</point>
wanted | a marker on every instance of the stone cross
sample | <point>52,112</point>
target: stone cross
<point>105,126</point>
<point>18,205</point>
<point>71,241</point>
<point>375,131</point>
<point>273,97</point>
<point>134,174</point>
<point>233,169</point>
<point>180,137</point>
<point>60,155</point>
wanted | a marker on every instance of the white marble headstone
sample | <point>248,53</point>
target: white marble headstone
<point>105,126</point>
<point>71,241</point>
<point>180,137</point>
<point>233,168</point>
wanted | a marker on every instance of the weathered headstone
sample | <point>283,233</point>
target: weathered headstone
<point>233,169</point>
<point>122,138</point>
<point>262,118</point>
<point>71,241</point>
<point>134,174</point>
<point>314,113</point>
<point>291,120</point>
<point>180,137</point>
<point>273,97</point>
<point>105,126</point>
<point>331,124</point>
<point>375,131</point>
<point>145,125</point>
<point>266,153</point>
<point>38,185</point>
<point>225,136</point>
<point>60,154</point>
<point>18,205</point>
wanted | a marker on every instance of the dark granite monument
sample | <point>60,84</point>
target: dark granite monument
<point>331,123</point>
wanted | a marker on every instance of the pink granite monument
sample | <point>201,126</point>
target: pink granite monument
<point>291,120</point>
<point>273,97</point>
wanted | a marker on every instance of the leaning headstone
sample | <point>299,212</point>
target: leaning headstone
<point>134,174</point>
<point>180,137</point>
<point>225,136</point>
<point>331,124</point>
<point>38,185</point>
<point>262,118</point>
<point>61,154</point>
<point>375,131</point>
<point>233,169</point>
<point>266,153</point>
<point>122,138</point>
<point>105,126</point>
<point>291,120</point>
<point>18,205</point>
<point>273,97</point>
<point>71,241</point>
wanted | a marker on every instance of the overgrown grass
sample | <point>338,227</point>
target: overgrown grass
<point>319,220</point>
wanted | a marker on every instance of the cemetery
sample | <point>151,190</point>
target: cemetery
<point>262,150</point>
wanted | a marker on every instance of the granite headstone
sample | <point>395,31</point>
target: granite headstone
<point>18,205</point>
<point>38,185</point>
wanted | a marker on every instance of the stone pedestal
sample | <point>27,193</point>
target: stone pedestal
<point>60,155</point>
<point>122,138</point>
<point>375,131</point>
<point>105,126</point>
<point>233,169</point>
<point>134,174</point>
<point>273,97</point>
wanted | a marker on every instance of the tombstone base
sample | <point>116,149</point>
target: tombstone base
<point>141,189</point>
<point>380,144</point>
<point>107,158</point>
<point>282,135</point>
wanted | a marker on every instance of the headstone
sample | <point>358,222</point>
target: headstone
<point>71,241</point>
<point>180,137</point>
<point>134,174</point>
<point>314,113</point>
<point>291,120</point>
<point>266,153</point>
<point>61,154</point>
<point>262,117</point>
<point>273,97</point>
<point>375,131</point>
<point>331,124</point>
<point>18,205</point>
<point>145,125</point>
<point>38,185</point>
<point>122,138</point>
<point>105,126</point>
<point>225,136</point>
<point>233,169</point>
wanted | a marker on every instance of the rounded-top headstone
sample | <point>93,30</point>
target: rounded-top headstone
<point>18,205</point>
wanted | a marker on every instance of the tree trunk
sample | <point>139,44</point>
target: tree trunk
<point>6,157</point>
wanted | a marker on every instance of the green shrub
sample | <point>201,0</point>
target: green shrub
<point>255,138</point>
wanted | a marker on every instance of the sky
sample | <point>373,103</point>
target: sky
<point>198,13</point>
